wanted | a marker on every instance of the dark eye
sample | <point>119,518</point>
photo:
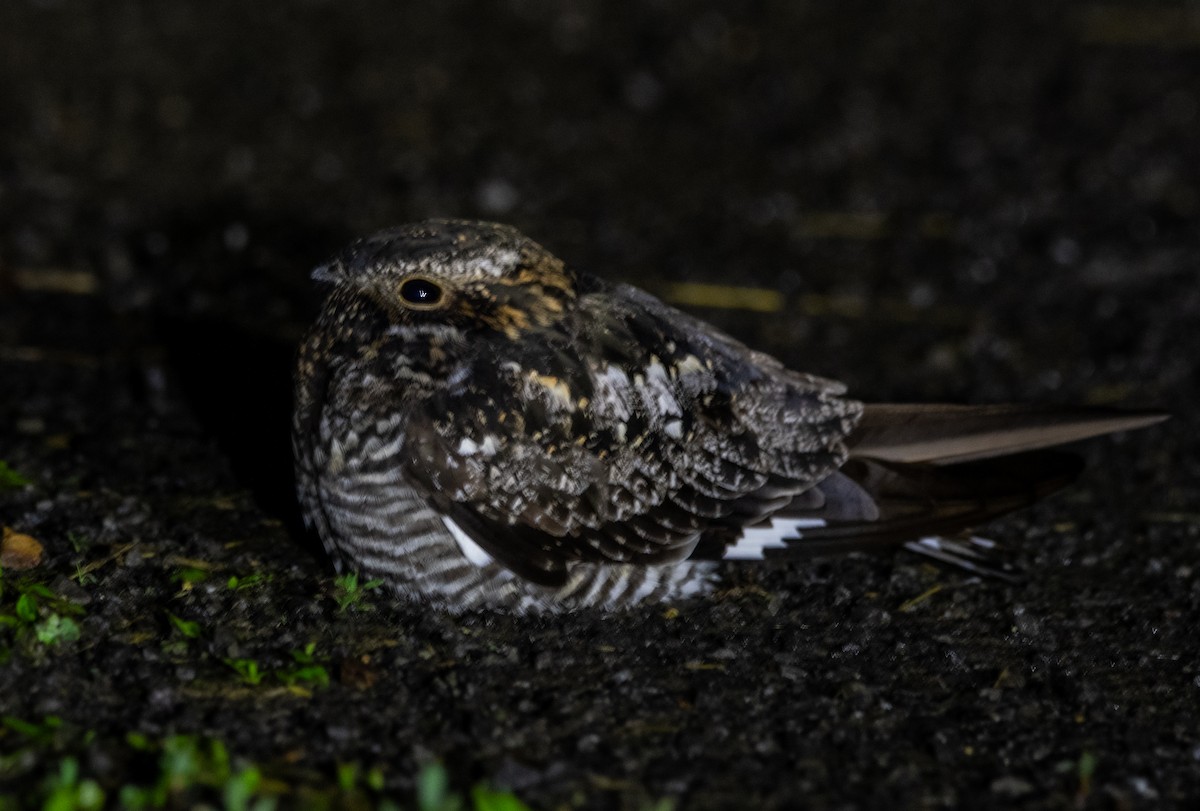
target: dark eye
<point>421,292</point>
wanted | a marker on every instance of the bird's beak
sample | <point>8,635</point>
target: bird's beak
<point>324,273</point>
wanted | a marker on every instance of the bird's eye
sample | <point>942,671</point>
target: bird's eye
<point>421,292</point>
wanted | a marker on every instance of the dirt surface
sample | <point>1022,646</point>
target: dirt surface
<point>958,205</point>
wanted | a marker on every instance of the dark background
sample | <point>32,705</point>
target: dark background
<point>957,203</point>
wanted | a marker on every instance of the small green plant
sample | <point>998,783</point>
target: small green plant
<point>307,671</point>
<point>348,779</point>
<point>1086,770</point>
<point>347,776</point>
<point>195,772</point>
<point>186,630</point>
<point>42,733</point>
<point>66,792</point>
<point>33,596</point>
<point>11,479</point>
<point>241,787</point>
<point>77,541</point>
<point>349,593</point>
<point>433,790</point>
<point>433,794</point>
<point>38,614</point>
<point>489,799</point>
<point>236,583</point>
<point>55,629</point>
<point>189,629</point>
<point>188,767</point>
<point>138,741</point>
<point>189,576</point>
<point>82,576</point>
<point>247,669</point>
<point>26,608</point>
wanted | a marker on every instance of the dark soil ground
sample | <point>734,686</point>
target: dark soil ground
<point>958,204</point>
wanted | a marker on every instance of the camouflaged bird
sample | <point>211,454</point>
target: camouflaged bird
<point>481,426</point>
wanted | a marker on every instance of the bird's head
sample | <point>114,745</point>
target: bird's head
<point>470,274</point>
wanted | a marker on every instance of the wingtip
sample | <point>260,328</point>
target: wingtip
<point>946,434</point>
<point>1143,419</point>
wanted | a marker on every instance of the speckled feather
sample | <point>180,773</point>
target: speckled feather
<point>481,426</point>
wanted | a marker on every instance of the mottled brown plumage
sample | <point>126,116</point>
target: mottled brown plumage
<point>480,425</point>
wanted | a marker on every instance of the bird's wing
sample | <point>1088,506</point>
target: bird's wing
<point>620,435</point>
<point>870,505</point>
<point>943,434</point>
<point>922,471</point>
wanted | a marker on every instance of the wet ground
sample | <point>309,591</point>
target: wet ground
<point>964,205</point>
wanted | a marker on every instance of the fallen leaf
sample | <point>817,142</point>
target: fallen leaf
<point>19,551</point>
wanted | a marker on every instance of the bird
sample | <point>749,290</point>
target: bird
<point>480,426</point>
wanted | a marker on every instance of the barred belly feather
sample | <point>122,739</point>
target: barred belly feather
<point>392,534</point>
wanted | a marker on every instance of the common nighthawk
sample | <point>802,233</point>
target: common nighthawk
<point>479,425</point>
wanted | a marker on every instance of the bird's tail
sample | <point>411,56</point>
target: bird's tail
<point>918,474</point>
